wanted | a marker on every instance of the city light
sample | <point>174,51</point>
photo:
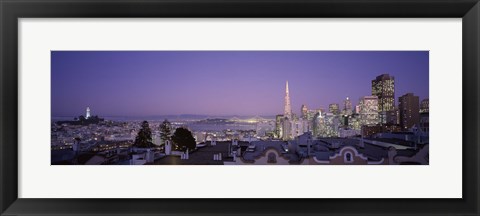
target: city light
<point>379,119</point>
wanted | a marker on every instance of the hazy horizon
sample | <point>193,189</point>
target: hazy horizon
<point>167,117</point>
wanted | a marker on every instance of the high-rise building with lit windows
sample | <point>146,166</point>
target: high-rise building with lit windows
<point>384,88</point>
<point>331,125</point>
<point>287,129</point>
<point>347,107</point>
<point>279,126</point>
<point>408,106</point>
<point>288,107</point>
<point>334,108</point>
<point>311,114</point>
<point>369,110</point>
<point>318,124</point>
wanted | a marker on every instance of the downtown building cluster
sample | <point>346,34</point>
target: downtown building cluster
<point>375,113</point>
<point>380,130</point>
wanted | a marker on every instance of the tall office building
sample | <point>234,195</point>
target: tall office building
<point>331,125</point>
<point>334,108</point>
<point>369,110</point>
<point>408,107</point>
<point>279,126</point>
<point>347,107</point>
<point>318,123</point>
<point>384,88</point>
<point>311,114</point>
<point>288,108</point>
<point>287,129</point>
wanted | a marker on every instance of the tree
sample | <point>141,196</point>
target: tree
<point>183,139</point>
<point>144,136</point>
<point>165,131</point>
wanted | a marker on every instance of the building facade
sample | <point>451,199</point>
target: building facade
<point>287,107</point>
<point>318,124</point>
<point>369,110</point>
<point>384,88</point>
<point>278,126</point>
<point>408,107</point>
<point>424,106</point>
<point>388,117</point>
<point>334,108</point>
<point>347,107</point>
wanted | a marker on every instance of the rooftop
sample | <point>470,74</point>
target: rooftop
<point>201,156</point>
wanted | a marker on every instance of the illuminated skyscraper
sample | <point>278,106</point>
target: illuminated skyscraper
<point>384,88</point>
<point>288,108</point>
<point>279,126</point>
<point>87,115</point>
<point>318,123</point>
<point>347,107</point>
<point>369,110</point>
<point>331,125</point>
<point>334,108</point>
<point>287,129</point>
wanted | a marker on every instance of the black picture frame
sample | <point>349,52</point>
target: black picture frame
<point>12,10</point>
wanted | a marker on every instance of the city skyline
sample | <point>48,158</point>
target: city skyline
<point>216,83</point>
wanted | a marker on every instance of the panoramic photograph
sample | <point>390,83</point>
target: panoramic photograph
<point>239,108</point>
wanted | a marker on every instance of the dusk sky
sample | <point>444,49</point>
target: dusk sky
<point>219,83</point>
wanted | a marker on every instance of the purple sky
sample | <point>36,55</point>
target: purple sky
<point>146,83</point>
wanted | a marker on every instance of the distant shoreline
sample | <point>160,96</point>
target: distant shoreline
<point>161,118</point>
